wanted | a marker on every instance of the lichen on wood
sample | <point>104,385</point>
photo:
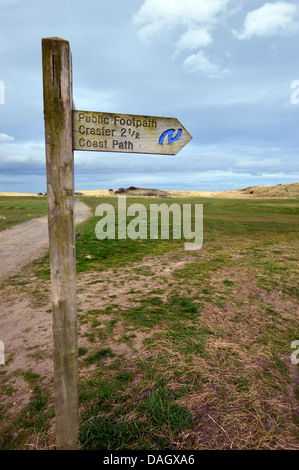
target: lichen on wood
<point>58,105</point>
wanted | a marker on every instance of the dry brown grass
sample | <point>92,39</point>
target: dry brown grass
<point>284,191</point>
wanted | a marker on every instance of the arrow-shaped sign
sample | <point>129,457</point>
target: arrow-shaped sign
<point>110,132</point>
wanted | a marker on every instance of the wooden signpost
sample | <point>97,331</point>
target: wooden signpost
<point>67,129</point>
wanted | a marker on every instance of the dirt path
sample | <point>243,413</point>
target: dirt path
<point>28,241</point>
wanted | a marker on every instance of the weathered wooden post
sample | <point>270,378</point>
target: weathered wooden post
<point>58,106</point>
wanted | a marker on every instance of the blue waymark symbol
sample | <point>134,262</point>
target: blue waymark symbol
<point>170,133</point>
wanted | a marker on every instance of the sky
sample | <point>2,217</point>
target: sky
<point>228,70</point>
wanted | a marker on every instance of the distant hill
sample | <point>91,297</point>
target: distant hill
<point>280,191</point>
<point>133,191</point>
<point>130,191</point>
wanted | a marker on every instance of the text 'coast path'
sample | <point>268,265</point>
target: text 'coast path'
<point>108,132</point>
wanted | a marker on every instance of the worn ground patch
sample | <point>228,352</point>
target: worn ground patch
<point>239,389</point>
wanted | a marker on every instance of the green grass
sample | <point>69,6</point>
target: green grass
<point>243,242</point>
<point>33,418</point>
<point>183,350</point>
<point>15,210</point>
<point>96,357</point>
<point>222,218</point>
<point>155,419</point>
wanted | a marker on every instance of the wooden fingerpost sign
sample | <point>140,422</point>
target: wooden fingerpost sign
<point>66,130</point>
<point>58,107</point>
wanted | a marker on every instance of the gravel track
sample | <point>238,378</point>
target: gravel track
<point>29,241</point>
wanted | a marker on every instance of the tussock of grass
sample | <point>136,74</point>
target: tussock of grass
<point>96,357</point>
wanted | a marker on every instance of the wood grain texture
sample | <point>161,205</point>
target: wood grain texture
<point>58,104</point>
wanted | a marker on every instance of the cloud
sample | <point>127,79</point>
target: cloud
<point>201,63</point>
<point>269,20</point>
<point>21,154</point>
<point>193,39</point>
<point>192,21</point>
<point>6,138</point>
<point>155,15</point>
<point>92,98</point>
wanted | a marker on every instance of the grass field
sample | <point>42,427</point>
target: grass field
<point>17,209</point>
<point>177,349</point>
